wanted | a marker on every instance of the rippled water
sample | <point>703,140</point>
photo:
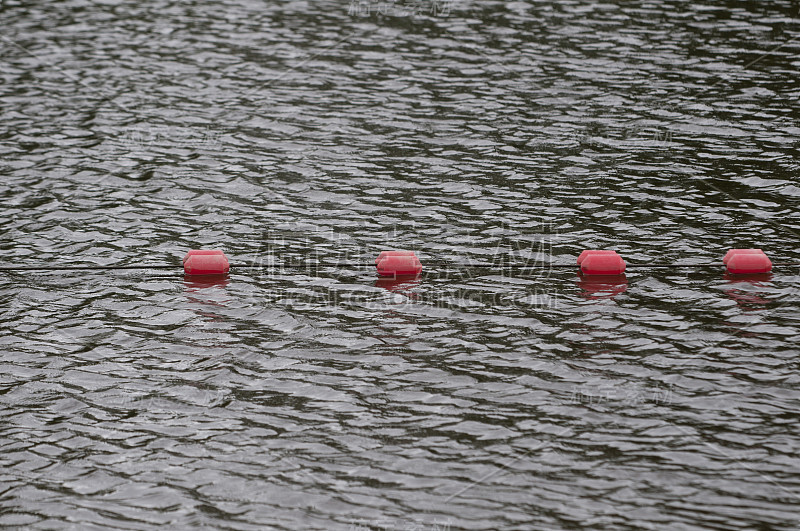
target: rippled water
<point>295,396</point>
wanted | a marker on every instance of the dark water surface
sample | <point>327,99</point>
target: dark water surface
<point>316,398</point>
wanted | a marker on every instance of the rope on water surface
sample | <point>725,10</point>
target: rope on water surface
<point>498,266</point>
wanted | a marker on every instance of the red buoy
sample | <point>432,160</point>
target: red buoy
<point>205,262</point>
<point>201,252</point>
<point>601,263</point>
<point>398,263</point>
<point>733,252</point>
<point>586,253</point>
<point>384,254</point>
<point>744,263</point>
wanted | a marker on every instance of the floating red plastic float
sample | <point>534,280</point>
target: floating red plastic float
<point>747,261</point>
<point>398,264</point>
<point>732,252</point>
<point>601,263</point>
<point>384,254</point>
<point>202,252</point>
<point>205,262</point>
<point>586,253</point>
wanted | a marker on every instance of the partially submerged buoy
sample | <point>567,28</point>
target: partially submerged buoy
<point>199,262</point>
<point>384,254</point>
<point>597,262</point>
<point>732,252</point>
<point>398,264</point>
<point>747,261</point>
<point>586,253</point>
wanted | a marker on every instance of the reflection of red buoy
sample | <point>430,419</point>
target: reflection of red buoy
<point>206,281</point>
<point>602,286</point>
<point>205,262</point>
<point>601,263</point>
<point>399,285</point>
<point>743,297</point>
<point>747,261</point>
<point>755,279</point>
<point>398,264</point>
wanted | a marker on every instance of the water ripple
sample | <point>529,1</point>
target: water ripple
<point>320,398</point>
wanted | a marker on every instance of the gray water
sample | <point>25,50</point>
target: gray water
<point>298,396</point>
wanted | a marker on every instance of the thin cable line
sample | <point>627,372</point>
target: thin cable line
<point>429,266</point>
<point>85,268</point>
